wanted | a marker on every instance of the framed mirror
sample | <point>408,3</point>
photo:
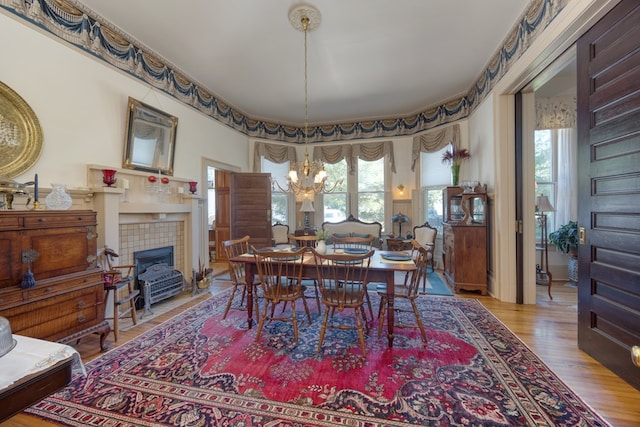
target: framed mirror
<point>150,138</point>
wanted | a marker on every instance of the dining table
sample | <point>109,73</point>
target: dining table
<point>382,269</point>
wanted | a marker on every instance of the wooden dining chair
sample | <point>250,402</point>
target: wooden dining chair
<point>356,245</point>
<point>119,281</point>
<point>234,248</point>
<point>307,242</point>
<point>342,279</point>
<point>280,278</point>
<point>406,291</point>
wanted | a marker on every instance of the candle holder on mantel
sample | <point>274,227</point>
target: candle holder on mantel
<point>109,177</point>
<point>193,187</point>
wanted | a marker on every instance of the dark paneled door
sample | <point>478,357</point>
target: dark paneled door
<point>609,189</point>
<point>250,195</point>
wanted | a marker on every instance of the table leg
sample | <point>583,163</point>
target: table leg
<point>389,278</point>
<point>248,274</point>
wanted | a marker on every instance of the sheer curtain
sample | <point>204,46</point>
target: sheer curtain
<point>567,197</point>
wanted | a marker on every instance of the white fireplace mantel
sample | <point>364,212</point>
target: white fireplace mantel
<point>133,201</point>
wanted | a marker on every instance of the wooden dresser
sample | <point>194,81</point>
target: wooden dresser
<point>464,242</point>
<point>68,300</point>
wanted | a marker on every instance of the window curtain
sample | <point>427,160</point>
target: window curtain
<point>332,154</point>
<point>374,151</point>
<point>434,141</point>
<point>567,198</point>
<point>274,153</point>
<point>559,115</point>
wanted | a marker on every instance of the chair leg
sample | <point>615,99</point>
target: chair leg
<point>262,319</point>
<point>323,329</point>
<point>294,319</point>
<point>366,295</point>
<point>116,316</point>
<point>315,287</point>
<point>359,322</point>
<point>306,307</point>
<point>419,321</point>
<point>132,304</point>
<point>233,294</point>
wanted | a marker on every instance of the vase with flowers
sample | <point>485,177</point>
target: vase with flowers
<point>454,157</point>
<point>321,241</point>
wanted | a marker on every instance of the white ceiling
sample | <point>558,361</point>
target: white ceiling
<point>368,58</point>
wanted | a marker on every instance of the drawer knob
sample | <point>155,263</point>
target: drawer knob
<point>80,304</point>
<point>48,289</point>
<point>81,318</point>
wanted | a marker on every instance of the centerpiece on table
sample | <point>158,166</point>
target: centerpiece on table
<point>454,157</point>
<point>321,241</point>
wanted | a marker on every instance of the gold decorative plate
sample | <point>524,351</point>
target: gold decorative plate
<point>20,134</point>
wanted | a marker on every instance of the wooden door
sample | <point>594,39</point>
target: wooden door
<point>223,212</point>
<point>251,207</point>
<point>609,189</point>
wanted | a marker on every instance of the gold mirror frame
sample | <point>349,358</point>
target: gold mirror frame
<point>150,139</point>
<point>16,159</point>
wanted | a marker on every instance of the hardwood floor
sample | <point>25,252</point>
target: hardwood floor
<point>548,328</point>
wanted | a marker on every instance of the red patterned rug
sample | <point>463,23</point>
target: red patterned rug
<point>200,370</point>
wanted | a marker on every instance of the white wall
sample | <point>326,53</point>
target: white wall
<point>81,104</point>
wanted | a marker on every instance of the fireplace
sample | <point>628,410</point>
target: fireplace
<point>156,276</point>
<point>147,258</point>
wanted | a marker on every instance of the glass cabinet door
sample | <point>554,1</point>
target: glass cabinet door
<point>474,207</point>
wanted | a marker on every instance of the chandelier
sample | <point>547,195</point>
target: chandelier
<point>307,176</point>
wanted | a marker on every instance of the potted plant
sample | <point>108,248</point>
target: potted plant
<point>565,240</point>
<point>454,157</point>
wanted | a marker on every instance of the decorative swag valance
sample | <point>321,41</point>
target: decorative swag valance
<point>330,154</point>
<point>434,141</point>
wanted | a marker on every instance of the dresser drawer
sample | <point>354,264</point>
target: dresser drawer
<point>9,222</point>
<point>63,219</point>
<point>58,316</point>
<point>48,288</point>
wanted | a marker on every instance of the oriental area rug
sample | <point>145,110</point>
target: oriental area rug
<point>198,369</point>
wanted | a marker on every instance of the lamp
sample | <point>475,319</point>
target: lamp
<point>307,206</point>
<point>543,276</point>
<point>400,218</point>
<point>401,188</point>
<point>543,204</point>
<point>308,176</point>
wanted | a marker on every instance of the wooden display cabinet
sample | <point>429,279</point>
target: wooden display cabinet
<point>67,301</point>
<point>465,239</point>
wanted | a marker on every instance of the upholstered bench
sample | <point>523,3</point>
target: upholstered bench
<point>352,227</point>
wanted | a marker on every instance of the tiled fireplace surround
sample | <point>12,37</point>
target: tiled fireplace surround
<point>132,217</point>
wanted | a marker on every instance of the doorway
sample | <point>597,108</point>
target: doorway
<point>547,167</point>
<point>216,201</point>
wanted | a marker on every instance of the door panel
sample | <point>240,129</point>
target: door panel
<point>223,212</point>
<point>609,189</point>
<point>251,207</point>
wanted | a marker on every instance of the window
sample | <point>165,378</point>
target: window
<point>545,172</point>
<point>554,147</point>
<point>279,200</point>
<point>370,201</point>
<point>435,176</point>
<point>336,202</point>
